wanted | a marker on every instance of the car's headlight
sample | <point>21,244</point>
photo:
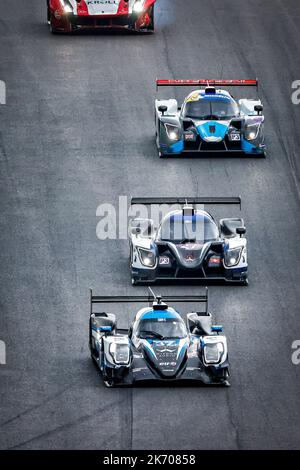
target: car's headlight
<point>251,131</point>
<point>213,353</point>
<point>120,353</point>
<point>172,132</point>
<point>232,257</point>
<point>138,6</point>
<point>147,257</point>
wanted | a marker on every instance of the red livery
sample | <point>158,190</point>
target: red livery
<point>66,16</point>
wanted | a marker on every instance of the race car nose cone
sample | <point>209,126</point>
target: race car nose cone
<point>212,131</point>
<point>188,255</point>
<point>169,356</point>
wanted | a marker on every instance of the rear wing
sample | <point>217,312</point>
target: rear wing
<point>147,201</point>
<point>147,299</point>
<point>206,83</point>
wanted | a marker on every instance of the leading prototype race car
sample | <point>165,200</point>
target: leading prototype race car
<point>188,244</point>
<point>209,120</point>
<point>159,345</point>
<point>66,16</point>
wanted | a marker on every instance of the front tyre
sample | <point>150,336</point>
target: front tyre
<point>221,376</point>
<point>109,383</point>
<point>107,378</point>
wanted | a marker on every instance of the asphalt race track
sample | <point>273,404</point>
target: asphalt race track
<point>78,131</point>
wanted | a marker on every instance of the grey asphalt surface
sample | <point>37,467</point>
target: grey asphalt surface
<point>78,131</point>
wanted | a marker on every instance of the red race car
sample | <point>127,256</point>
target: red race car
<point>66,16</point>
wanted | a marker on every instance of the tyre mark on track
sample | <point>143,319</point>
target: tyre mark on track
<point>126,408</point>
<point>36,407</point>
<point>63,426</point>
<point>3,155</point>
<point>232,421</point>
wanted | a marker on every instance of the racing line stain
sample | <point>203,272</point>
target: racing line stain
<point>126,419</point>
<point>63,427</point>
<point>3,155</point>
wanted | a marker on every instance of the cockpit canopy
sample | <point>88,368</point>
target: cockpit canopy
<point>162,325</point>
<point>206,106</point>
<point>179,228</point>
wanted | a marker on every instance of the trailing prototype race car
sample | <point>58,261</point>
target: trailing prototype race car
<point>66,16</point>
<point>158,345</point>
<point>188,244</point>
<point>209,120</point>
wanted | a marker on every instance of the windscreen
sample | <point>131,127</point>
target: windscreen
<point>213,109</point>
<point>162,328</point>
<point>197,228</point>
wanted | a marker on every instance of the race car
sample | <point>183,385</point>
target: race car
<point>188,244</point>
<point>159,345</point>
<point>66,16</point>
<point>209,120</point>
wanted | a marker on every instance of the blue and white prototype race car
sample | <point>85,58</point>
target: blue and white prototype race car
<point>159,345</point>
<point>209,120</point>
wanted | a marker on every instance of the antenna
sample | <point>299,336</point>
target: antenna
<point>157,298</point>
<point>151,292</point>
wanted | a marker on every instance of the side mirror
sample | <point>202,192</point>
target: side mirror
<point>258,108</point>
<point>163,109</point>
<point>241,231</point>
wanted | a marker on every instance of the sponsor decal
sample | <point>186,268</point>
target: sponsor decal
<point>194,97</point>
<point>234,136</point>
<point>191,246</point>
<point>102,2</point>
<point>214,261</point>
<point>190,258</point>
<point>163,260</point>
<point>189,136</point>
